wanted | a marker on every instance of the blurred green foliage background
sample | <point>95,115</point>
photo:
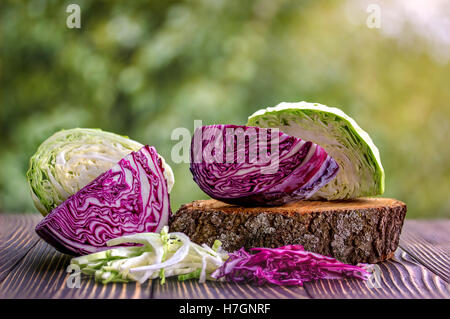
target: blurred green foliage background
<point>143,68</point>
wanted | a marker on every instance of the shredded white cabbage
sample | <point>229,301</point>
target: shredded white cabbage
<point>161,255</point>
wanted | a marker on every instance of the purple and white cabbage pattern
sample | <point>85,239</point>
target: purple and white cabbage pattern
<point>256,166</point>
<point>131,197</point>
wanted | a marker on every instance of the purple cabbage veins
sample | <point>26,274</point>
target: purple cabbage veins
<point>252,166</point>
<point>131,197</point>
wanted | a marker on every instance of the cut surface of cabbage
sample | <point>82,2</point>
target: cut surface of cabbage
<point>361,172</point>
<point>70,159</point>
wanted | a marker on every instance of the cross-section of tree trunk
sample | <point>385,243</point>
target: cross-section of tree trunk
<point>365,230</point>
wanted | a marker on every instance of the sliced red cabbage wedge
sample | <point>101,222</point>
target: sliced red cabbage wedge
<point>360,174</point>
<point>131,197</point>
<point>255,166</point>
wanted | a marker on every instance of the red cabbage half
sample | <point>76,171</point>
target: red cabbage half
<point>131,197</point>
<point>247,165</point>
<point>287,265</point>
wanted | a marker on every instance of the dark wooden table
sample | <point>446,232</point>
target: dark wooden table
<point>29,268</point>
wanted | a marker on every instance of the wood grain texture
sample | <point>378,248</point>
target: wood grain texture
<point>191,289</point>
<point>30,268</point>
<point>17,237</point>
<point>42,274</point>
<point>400,277</point>
<point>428,242</point>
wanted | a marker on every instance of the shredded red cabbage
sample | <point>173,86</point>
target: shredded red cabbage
<point>287,265</point>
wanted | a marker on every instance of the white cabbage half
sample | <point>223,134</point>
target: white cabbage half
<point>360,174</point>
<point>70,159</point>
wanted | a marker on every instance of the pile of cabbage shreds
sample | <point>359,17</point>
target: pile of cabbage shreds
<point>173,254</point>
<point>159,256</point>
<point>287,266</point>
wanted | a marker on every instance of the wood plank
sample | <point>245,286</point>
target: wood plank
<point>42,274</point>
<point>191,289</point>
<point>428,242</point>
<point>17,237</point>
<point>435,231</point>
<point>30,268</point>
<point>400,277</point>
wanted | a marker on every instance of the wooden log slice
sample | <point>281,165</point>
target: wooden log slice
<point>365,230</point>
